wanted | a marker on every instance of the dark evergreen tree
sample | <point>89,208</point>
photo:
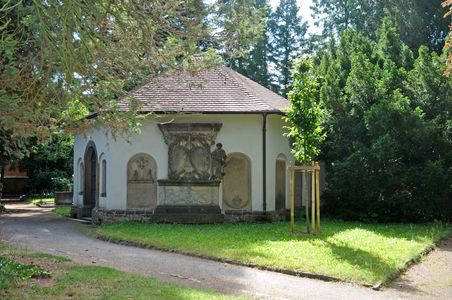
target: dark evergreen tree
<point>387,119</point>
<point>255,64</point>
<point>418,22</point>
<point>287,40</point>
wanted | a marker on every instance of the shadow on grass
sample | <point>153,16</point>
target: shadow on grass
<point>354,246</point>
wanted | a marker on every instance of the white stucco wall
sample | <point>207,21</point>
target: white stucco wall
<point>239,133</point>
<point>277,144</point>
<point>102,140</point>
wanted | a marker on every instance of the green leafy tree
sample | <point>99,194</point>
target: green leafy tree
<point>287,40</point>
<point>49,165</point>
<point>12,148</point>
<point>305,115</point>
<point>52,52</point>
<point>448,44</point>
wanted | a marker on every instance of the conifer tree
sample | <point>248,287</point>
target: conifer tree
<point>287,39</point>
<point>387,119</point>
<point>418,22</point>
<point>255,64</point>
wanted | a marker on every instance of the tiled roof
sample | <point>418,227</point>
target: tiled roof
<point>209,91</point>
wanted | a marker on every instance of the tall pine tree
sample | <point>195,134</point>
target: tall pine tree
<point>287,39</point>
<point>418,22</point>
<point>255,64</point>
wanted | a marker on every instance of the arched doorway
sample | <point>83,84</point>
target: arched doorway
<point>90,184</point>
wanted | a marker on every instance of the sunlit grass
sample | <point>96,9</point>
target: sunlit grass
<point>92,282</point>
<point>35,201</point>
<point>63,211</point>
<point>362,253</point>
<point>83,282</point>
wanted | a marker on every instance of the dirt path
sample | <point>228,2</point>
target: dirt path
<point>432,278</point>
<point>38,230</point>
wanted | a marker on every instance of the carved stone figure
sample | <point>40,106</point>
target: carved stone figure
<point>218,162</point>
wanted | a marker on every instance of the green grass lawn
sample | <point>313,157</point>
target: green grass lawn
<point>92,282</point>
<point>361,253</point>
<point>62,211</point>
<point>68,281</point>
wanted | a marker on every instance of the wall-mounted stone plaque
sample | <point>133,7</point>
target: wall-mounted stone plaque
<point>237,183</point>
<point>141,182</point>
<point>189,149</point>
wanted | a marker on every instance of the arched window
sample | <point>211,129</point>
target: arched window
<point>81,180</point>
<point>104,179</point>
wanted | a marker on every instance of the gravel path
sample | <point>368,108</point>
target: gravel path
<point>38,230</point>
<point>432,278</point>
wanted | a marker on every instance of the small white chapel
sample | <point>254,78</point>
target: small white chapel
<point>212,150</point>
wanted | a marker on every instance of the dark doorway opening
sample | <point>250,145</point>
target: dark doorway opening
<point>90,188</point>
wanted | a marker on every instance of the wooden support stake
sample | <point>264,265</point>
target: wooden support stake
<point>306,199</point>
<point>292,196</point>
<point>317,192</point>
<point>313,223</point>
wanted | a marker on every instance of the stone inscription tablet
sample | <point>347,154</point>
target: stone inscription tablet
<point>141,182</point>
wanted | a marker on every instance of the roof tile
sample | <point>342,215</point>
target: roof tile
<point>216,90</point>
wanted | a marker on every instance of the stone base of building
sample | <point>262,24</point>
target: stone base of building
<point>181,214</point>
<point>101,216</point>
<point>188,214</point>
<point>78,212</point>
<point>257,216</point>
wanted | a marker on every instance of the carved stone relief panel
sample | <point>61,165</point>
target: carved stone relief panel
<point>141,182</point>
<point>237,183</point>
<point>280,183</point>
<point>189,149</point>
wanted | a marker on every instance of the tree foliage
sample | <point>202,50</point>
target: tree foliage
<point>50,165</point>
<point>306,114</point>
<point>448,43</point>
<point>254,64</point>
<point>287,40</point>
<point>55,52</point>
<point>269,61</point>
<point>418,22</point>
<point>388,129</point>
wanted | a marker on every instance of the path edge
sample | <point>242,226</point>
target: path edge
<point>409,263</point>
<point>229,261</point>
